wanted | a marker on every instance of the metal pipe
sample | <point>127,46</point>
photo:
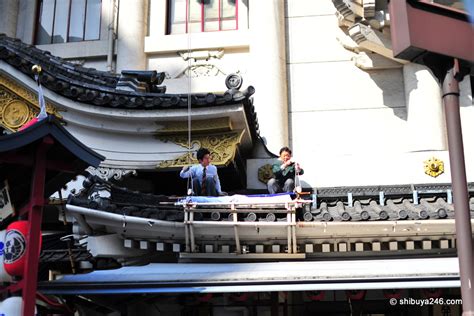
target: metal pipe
<point>186,231</point>
<point>288,233</point>
<point>236,232</point>
<point>191,231</point>
<point>459,183</point>
<point>82,222</point>
<point>110,217</point>
<point>293,231</point>
<point>245,224</point>
<point>111,34</point>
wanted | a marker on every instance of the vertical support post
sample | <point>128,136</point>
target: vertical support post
<point>293,229</point>
<point>314,205</point>
<point>191,231</point>
<point>236,230</point>
<point>186,229</point>
<point>459,183</point>
<point>415,197</point>
<point>30,274</point>
<point>288,221</point>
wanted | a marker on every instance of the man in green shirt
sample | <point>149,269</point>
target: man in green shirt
<point>284,173</point>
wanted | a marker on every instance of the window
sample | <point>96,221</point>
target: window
<point>452,4</point>
<point>63,21</point>
<point>202,16</point>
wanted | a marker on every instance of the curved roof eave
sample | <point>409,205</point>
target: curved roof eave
<point>99,88</point>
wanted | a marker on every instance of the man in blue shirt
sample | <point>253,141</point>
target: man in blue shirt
<point>204,175</point>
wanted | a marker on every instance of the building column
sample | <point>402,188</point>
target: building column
<point>425,116</point>
<point>158,16</point>
<point>267,70</point>
<point>27,19</point>
<point>131,35</point>
<point>9,17</point>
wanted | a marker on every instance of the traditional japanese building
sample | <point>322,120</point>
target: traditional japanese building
<point>147,83</point>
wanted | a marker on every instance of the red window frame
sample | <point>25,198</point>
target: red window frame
<point>203,21</point>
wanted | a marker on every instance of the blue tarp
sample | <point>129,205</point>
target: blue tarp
<point>237,198</point>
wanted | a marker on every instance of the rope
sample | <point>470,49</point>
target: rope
<point>190,177</point>
<point>297,179</point>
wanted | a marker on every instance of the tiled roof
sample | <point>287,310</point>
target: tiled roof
<point>333,204</point>
<point>65,255</point>
<point>131,90</point>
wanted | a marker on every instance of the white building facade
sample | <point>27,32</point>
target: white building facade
<point>325,85</point>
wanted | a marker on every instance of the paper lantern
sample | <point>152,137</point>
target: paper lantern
<point>392,293</point>
<point>316,295</point>
<point>13,306</point>
<point>239,297</point>
<point>355,295</point>
<point>4,276</point>
<point>15,248</point>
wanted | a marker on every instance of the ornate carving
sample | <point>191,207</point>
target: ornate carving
<point>221,124</point>
<point>366,22</point>
<point>199,70</point>
<point>19,105</point>
<point>222,147</point>
<point>265,173</point>
<point>233,81</point>
<point>351,9</point>
<point>373,40</point>
<point>109,173</point>
<point>202,54</point>
<point>434,167</point>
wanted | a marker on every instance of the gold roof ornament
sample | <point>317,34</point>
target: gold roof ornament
<point>222,146</point>
<point>434,167</point>
<point>18,105</point>
<point>36,69</point>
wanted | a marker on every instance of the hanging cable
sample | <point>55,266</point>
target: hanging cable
<point>190,177</point>
<point>298,188</point>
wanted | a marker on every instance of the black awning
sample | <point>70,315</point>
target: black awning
<point>66,157</point>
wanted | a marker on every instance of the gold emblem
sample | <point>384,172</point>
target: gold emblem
<point>265,173</point>
<point>15,114</point>
<point>434,167</point>
<point>19,105</point>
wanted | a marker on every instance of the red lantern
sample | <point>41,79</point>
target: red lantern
<point>316,295</point>
<point>239,297</point>
<point>15,248</point>
<point>392,294</point>
<point>356,295</point>
<point>4,276</point>
<point>204,298</point>
<point>431,293</point>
